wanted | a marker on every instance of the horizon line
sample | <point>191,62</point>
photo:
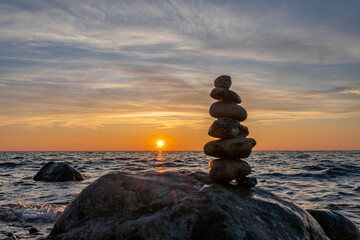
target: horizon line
<point>173,150</point>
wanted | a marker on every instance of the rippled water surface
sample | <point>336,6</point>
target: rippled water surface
<point>328,180</point>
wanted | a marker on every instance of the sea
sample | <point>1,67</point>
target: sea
<point>312,179</point>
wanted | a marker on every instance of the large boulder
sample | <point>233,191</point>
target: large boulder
<point>335,225</point>
<point>58,172</point>
<point>180,205</point>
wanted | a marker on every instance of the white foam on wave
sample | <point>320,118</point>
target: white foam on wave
<point>30,212</point>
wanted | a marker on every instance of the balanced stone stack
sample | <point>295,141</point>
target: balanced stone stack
<point>233,145</point>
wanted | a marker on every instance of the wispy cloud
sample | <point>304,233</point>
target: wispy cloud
<point>90,63</point>
<point>351,90</point>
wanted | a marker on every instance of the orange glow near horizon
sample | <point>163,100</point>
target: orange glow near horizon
<point>297,135</point>
<point>310,134</point>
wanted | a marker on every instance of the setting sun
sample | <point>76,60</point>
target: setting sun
<point>160,143</point>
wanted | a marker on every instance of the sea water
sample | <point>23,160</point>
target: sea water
<point>316,180</point>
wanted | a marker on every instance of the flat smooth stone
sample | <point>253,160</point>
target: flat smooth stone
<point>224,170</point>
<point>223,81</point>
<point>227,110</point>
<point>230,147</point>
<point>225,95</point>
<point>224,128</point>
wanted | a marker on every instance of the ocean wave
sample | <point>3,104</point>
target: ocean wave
<point>10,164</point>
<point>165,164</point>
<point>110,160</point>
<point>125,158</point>
<point>294,175</point>
<point>303,156</point>
<point>313,168</point>
<point>344,170</point>
<point>30,213</point>
<point>332,172</point>
<point>346,193</point>
<point>310,178</point>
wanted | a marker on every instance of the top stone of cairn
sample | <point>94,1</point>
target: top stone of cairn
<point>223,81</point>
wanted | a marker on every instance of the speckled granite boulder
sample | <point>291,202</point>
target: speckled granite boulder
<point>180,205</point>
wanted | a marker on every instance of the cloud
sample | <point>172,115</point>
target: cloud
<point>351,90</point>
<point>90,63</point>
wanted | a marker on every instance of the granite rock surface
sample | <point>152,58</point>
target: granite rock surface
<point>335,225</point>
<point>180,205</point>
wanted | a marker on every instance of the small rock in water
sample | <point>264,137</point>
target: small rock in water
<point>230,147</point>
<point>224,128</point>
<point>224,170</point>
<point>247,182</point>
<point>34,230</point>
<point>225,95</point>
<point>11,236</point>
<point>227,110</point>
<point>223,81</point>
<point>58,172</point>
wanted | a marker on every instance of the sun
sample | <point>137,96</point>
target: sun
<point>160,143</point>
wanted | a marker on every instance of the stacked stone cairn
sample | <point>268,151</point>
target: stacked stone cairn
<point>233,145</point>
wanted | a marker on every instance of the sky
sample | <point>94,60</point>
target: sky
<point>119,75</point>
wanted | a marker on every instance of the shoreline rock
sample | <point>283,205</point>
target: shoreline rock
<point>335,225</point>
<point>180,205</point>
<point>58,172</point>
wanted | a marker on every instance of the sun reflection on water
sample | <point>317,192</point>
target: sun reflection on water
<point>160,161</point>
